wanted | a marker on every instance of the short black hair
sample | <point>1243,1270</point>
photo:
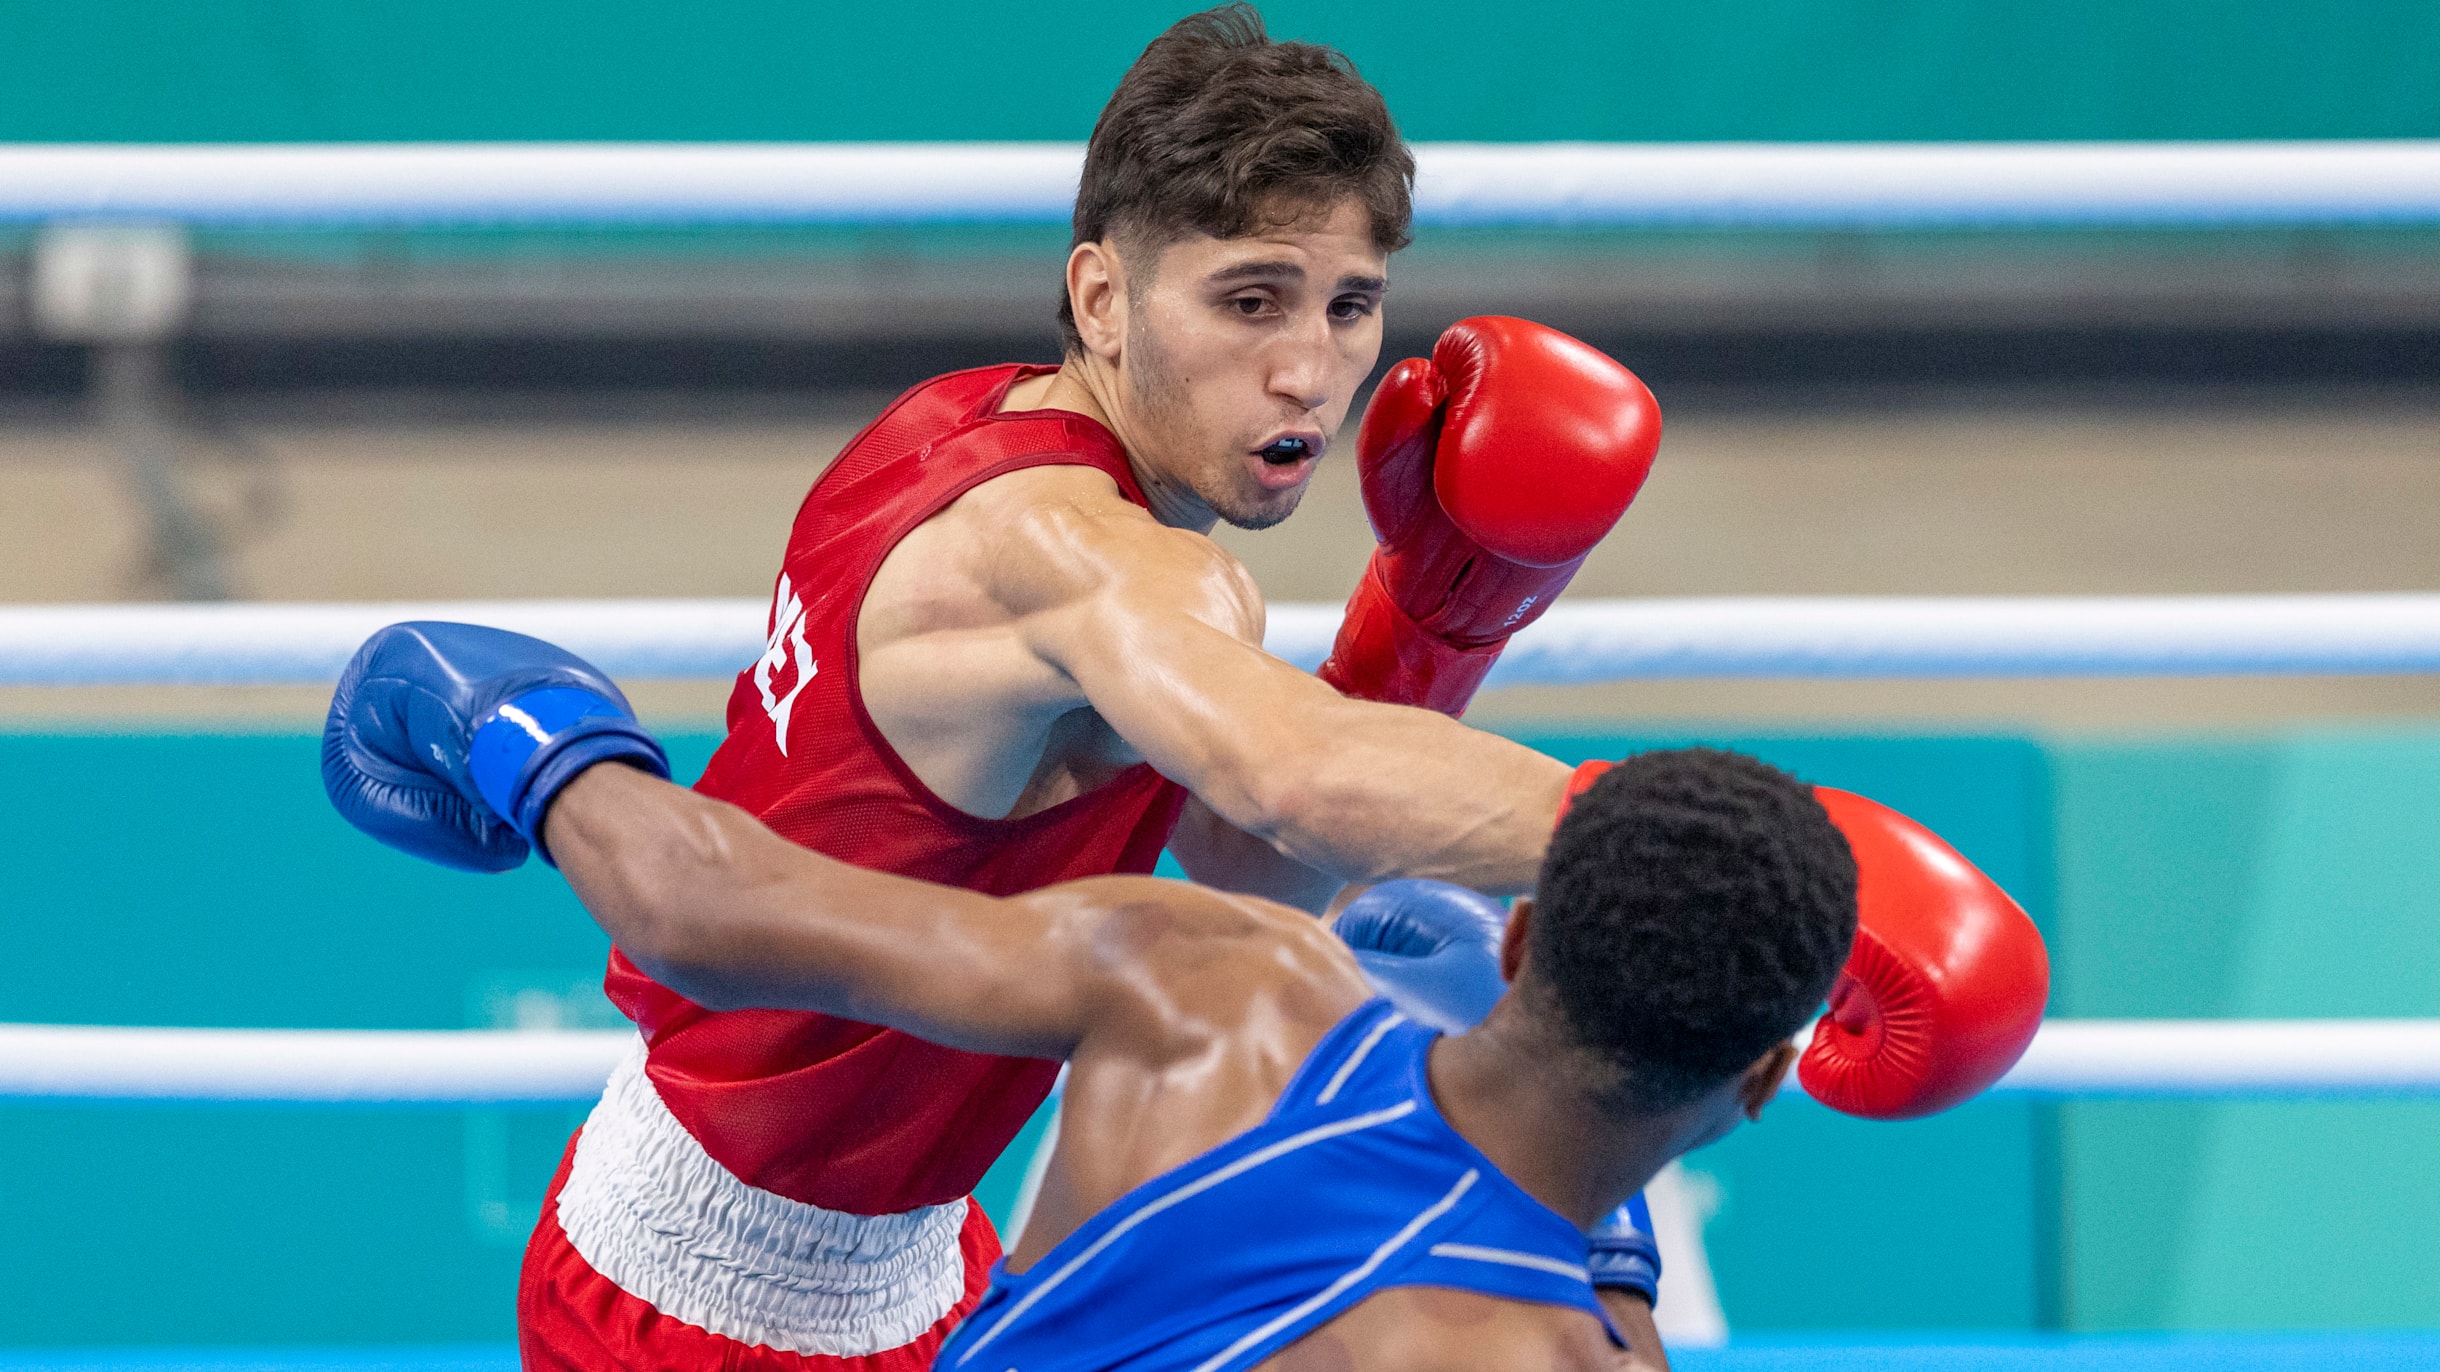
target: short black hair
<point>1218,129</point>
<point>1693,909</point>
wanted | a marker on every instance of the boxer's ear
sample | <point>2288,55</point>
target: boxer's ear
<point>1097,297</point>
<point>1761,1081</point>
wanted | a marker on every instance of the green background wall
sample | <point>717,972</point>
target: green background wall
<point>279,70</point>
<point>202,880</point>
<point>2296,876</point>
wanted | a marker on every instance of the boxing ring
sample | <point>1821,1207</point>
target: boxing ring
<point>1823,187</point>
<point>1963,637</point>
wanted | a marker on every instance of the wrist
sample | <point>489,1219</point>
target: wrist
<point>589,797</point>
<point>1578,782</point>
<point>527,748</point>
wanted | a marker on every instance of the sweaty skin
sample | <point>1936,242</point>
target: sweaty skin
<point>1042,633</point>
<point>1182,1011</point>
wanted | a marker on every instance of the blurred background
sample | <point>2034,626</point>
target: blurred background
<point>472,411</point>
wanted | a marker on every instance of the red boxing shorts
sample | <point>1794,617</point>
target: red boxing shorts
<point>652,1256</point>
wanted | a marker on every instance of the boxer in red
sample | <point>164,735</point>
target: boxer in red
<point>1692,913</point>
<point>1004,654</point>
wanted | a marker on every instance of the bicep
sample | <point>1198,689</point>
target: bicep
<point>1159,632</point>
<point>1217,853</point>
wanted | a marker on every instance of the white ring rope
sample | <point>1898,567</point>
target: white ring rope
<point>1577,642</point>
<point>2243,1059</point>
<point>1586,641</point>
<point>364,1066</point>
<point>1822,185</point>
<point>2122,1059</point>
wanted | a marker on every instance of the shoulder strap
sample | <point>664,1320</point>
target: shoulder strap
<point>1333,1066</point>
<point>995,444</point>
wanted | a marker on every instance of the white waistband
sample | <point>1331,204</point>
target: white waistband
<point>651,1211</point>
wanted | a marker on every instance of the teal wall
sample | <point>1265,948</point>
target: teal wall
<point>202,880</point>
<point>2268,877</point>
<point>205,881</point>
<point>753,69</point>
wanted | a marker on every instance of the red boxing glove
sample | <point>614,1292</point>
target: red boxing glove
<point>1490,471</point>
<point>1945,987</point>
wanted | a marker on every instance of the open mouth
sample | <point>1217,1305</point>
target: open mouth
<point>1285,452</point>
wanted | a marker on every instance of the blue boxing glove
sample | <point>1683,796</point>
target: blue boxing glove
<point>449,741</point>
<point>1434,950</point>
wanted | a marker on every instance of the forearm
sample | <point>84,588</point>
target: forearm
<point>707,901</point>
<point>1354,790</point>
<point>1366,792</point>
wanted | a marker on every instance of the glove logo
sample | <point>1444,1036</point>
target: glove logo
<point>787,649</point>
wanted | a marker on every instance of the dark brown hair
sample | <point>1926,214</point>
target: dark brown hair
<point>1217,129</point>
<point>1693,909</point>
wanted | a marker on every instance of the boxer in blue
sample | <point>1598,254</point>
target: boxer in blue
<point>1265,1162</point>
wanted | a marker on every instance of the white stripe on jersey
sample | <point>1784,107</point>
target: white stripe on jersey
<point>1471,1252</point>
<point>1318,1134</point>
<point>1356,1058</point>
<point>1362,1270</point>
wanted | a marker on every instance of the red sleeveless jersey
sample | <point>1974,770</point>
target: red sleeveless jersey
<point>835,1113</point>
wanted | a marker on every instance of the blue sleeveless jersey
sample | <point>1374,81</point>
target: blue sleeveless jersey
<point>1353,1184</point>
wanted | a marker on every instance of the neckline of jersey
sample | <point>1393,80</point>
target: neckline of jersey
<point>989,412</point>
<point>1418,1068</point>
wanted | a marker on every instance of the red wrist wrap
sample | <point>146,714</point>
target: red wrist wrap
<point>1586,774</point>
<point>1382,654</point>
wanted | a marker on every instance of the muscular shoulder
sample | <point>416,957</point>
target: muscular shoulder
<point>1189,962</point>
<point>1060,538</point>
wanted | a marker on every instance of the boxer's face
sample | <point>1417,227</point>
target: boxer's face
<point>1237,360</point>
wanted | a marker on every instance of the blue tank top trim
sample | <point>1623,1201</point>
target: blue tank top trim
<point>1353,1184</point>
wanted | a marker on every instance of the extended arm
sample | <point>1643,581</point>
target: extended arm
<point>1159,631</point>
<point>464,745</point>
<point>712,904</point>
<point>1489,474</point>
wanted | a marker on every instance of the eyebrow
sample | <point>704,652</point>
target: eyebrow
<point>1258,271</point>
<point>1289,271</point>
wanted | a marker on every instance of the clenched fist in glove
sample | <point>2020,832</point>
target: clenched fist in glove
<point>1490,470</point>
<point>1945,987</point>
<point>449,741</point>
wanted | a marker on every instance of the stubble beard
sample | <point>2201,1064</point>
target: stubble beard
<point>1160,396</point>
